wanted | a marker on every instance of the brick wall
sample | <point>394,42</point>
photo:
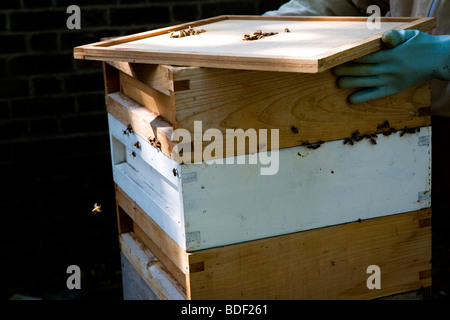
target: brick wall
<point>55,161</point>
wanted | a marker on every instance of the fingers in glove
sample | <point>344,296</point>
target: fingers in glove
<point>359,69</point>
<point>360,82</point>
<point>393,37</point>
<point>366,95</point>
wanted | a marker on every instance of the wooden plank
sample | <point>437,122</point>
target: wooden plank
<point>345,53</point>
<point>156,76</point>
<point>359,181</point>
<point>313,45</point>
<point>124,222</point>
<point>306,183</point>
<point>133,286</point>
<point>303,107</point>
<point>144,150</point>
<point>150,269</point>
<point>325,263</point>
<point>171,256</point>
<point>157,102</point>
<point>141,35</point>
<point>147,124</point>
<point>111,78</point>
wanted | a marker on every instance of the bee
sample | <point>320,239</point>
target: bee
<point>373,141</point>
<point>355,134</point>
<point>187,32</point>
<point>316,145</point>
<point>155,143</point>
<point>294,129</point>
<point>384,125</point>
<point>258,35</point>
<point>133,154</point>
<point>409,131</point>
<point>390,131</point>
<point>137,144</point>
<point>175,172</point>
<point>287,30</point>
<point>97,208</point>
<point>348,141</point>
<point>313,146</point>
<point>128,130</point>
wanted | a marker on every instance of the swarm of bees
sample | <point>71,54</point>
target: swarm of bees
<point>258,35</point>
<point>155,143</point>
<point>409,131</point>
<point>128,130</point>
<point>386,129</point>
<point>186,32</point>
<point>313,146</point>
<point>357,137</point>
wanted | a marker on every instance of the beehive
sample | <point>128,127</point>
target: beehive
<point>347,186</point>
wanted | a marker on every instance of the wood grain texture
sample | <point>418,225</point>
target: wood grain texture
<point>314,44</point>
<point>157,102</point>
<point>133,286</point>
<point>326,263</point>
<point>149,268</point>
<point>111,78</point>
<point>147,124</point>
<point>159,77</point>
<point>303,107</point>
<point>171,256</point>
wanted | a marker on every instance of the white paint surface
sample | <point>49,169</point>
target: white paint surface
<point>221,204</point>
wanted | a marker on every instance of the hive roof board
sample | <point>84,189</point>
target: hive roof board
<point>301,44</point>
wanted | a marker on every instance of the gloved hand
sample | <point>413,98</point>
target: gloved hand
<point>410,57</point>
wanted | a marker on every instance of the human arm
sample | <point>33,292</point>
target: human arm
<point>316,8</point>
<point>410,57</point>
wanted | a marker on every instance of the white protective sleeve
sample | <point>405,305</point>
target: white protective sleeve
<point>317,8</point>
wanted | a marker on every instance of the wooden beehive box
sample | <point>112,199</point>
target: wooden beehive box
<point>336,173</point>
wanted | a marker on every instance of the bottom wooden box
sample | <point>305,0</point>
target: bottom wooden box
<point>324,263</point>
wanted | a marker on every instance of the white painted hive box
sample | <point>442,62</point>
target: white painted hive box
<point>202,206</point>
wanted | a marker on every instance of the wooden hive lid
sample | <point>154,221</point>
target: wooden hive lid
<point>312,45</point>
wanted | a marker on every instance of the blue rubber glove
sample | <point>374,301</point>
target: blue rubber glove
<point>410,57</point>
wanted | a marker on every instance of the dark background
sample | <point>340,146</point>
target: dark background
<point>54,145</point>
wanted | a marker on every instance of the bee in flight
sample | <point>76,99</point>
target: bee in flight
<point>97,208</point>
